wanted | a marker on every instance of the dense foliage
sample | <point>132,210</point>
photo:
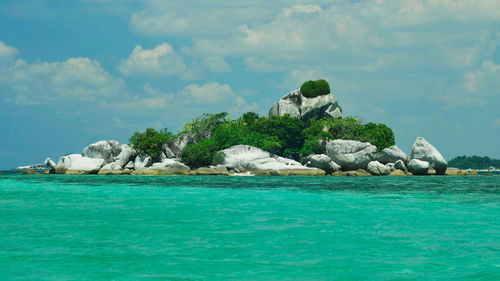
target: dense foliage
<point>204,126</point>
<point>312,89</point>
<point>150,142</point>
<point>473,162</point>
<point>284,135</point>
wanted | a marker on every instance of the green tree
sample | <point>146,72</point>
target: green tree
<point>200,154</point>
<point>204,126</point>
<point>312,89</point>
<point>150,142</point>
<point>287,130</point>
<point>378,134</point>
<point>248,118</point>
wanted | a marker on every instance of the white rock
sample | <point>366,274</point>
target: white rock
<point>240,156</point>
<point>423,150</point>
<point>78,163</point>
<point>180,143</point>
<point>130,165</point>
<point>248,158</point>
<point>323,162</point>
<point>391,155</point>
<point>127,154</point>
<point>350,155</point>
<point>168,152</point>
<point>104,149</point>
<point>296,105</point>
<point>334,112</point>
<point>142,161</point>
<point>283,107</point>
<point>400,165</point>
<point>51,165</point>
<point>377,168</point>
<point>166,167</point>
<point>418,167</point>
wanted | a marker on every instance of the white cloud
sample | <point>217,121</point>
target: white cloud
<point>355,35</point>
<point>183,105</point>
<point>258,65</point>
<point>477,88</point>
<point>216,64</point>
<point>159,61</point>
<point>7,51</point>
<point>73,80</point>
<point>209,93</point>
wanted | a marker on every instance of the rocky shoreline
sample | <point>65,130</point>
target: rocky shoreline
<point>340,158</point>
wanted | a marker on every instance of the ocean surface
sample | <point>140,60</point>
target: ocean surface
<point>60,227</point>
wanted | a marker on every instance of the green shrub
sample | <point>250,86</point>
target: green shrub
<point>286,130</point>
<point>379,135</point>
<point>150,142</point>
<point>312,89</point>
<point>248,118</point>
<point>204,126</point>
<point>200,154</point>
<point>351,128</point>
<point>473,162</point>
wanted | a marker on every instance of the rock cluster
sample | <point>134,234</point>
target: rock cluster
<point>424,151</point>
<point>340,158</point>
<point>245,158</point>
<point>296,105</point>
<point>350,155</point>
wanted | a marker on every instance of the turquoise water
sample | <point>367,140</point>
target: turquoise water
<point>252,228</point>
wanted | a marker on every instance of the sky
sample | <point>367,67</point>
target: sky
<point>76,72</point>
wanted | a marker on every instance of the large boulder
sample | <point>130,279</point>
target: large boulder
<point>323,162</point>
<point>400,165</point>
<point>418,167</point>
<point>166,167</point>
<point>244,158</point>
<point>378,169</point>
<point>167,151</point>
<point>142,161</point>
<point>50,165</point>
<point>297,105</point>
<point>391,155</point>
<point>179,144</point>
<point>350,155</point>
<point>77,164</point>
<point>423,150</point>
<point>105,149</point>
<point>126,154</point>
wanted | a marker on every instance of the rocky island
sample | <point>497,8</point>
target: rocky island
<point>304,134</point>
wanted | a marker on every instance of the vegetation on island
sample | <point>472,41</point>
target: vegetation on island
<point>281,135</point>
<point>312,89</point>
<point>150,142</point>
<point>473,162</point>
<point>285,136</point>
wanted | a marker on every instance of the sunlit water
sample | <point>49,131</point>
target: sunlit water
<point>249,228</point>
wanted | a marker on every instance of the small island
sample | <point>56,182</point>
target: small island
<point>304,134</point>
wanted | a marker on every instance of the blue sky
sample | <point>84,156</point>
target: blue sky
<point>75,72</point>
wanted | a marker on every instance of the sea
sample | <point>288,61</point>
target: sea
<point>60,227</point>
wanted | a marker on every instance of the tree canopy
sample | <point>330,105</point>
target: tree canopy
<point>473,162</point>
<point>312,89</point>
<point>150,142</point>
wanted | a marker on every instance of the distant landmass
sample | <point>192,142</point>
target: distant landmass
<point>473,162</point>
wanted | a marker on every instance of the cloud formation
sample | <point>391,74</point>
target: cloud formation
<point>6,51</point>
<point>71,81</point>
<point>159,61</point>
